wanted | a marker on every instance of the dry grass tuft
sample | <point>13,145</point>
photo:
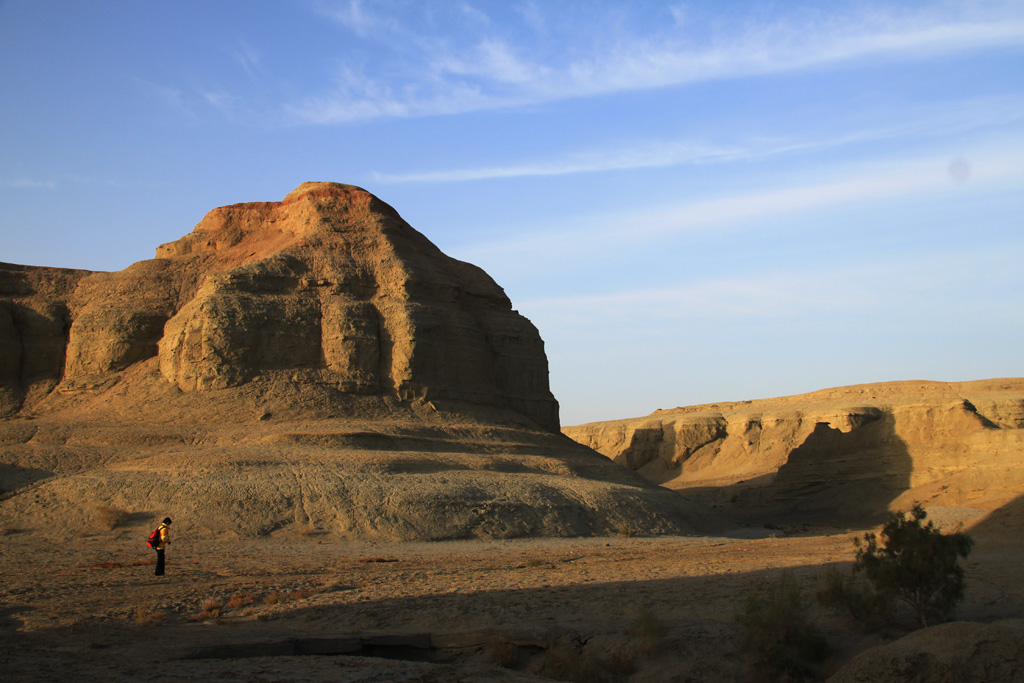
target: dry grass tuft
<point>377,559</point>
<point>110,517</point>
<point>148,617</point>
<point>212,609</point>
<point>236,601</point>
<point>213,606</point>
<point>566,660</point>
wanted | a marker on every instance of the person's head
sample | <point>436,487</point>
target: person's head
<point>167,520</point>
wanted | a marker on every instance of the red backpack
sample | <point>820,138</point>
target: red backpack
<point>154,539</point>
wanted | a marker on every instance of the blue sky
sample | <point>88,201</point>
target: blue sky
<point>693,201</point>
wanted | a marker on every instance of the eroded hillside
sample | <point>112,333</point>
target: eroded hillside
<point>844,455</point>
<point>313,364</point>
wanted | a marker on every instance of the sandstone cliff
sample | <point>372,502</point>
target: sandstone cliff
<point>313,363</point>
<point>842,456</point>
<point>329,286</point>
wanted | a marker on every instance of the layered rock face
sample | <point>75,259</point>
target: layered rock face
<point>843,455</point>
<point>34,321</point>
<point>329,286</point>
<point>312,365</point>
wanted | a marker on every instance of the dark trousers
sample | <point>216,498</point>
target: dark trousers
<point>159,562</point>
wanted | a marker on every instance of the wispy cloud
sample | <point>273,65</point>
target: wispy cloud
<point>851,185</point>
<point>496,71</point>
<point>956,117</point>
<point>649,155</point>
<point>27,184</point>
<point>248,58</point>
<point>898,284</point>
<point>362,18</point>
<point>173,98</point>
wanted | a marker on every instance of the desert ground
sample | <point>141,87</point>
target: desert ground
<point>313,607</point>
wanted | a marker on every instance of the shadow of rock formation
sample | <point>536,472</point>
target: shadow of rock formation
<point>842,456</point>
<point>840,478</point>
<point>1005,523</point>
<point>522,599</point>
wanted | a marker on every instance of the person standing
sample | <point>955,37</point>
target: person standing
<point>165,538</point>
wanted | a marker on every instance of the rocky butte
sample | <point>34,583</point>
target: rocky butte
<point>313,364</point>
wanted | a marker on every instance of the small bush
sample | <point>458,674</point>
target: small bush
<point>110,517</point>
<point>565,661</point>
<point>777,633</point>
<point>213,607</point>
<point>847,592</point>
<point>916,564</point>
<point>647,631</point>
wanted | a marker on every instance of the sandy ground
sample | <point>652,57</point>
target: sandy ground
<point>528,609</point>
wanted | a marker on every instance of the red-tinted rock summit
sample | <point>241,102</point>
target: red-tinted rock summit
<point>328,287</point>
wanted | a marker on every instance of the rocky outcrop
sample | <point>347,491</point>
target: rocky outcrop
<point>842,455</point>
<point>34,328</point>
<point>313,365</point>
<point>329,287</point>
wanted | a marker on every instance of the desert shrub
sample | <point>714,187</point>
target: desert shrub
<point>916,564</point>
<point>848,592</point>
<point>647,631</point>
<point>110,517</point>
<point>213,607</point>
<point>567,660</point>
<point>564,662</point>
<point>779,637</point>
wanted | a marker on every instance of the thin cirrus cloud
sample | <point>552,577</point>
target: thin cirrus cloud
<point>860,183</point>
<point>902,285</point>
<point>957,117</point>
<point>651,155</point>
<point>493,73</point>
<point>27,184</point>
